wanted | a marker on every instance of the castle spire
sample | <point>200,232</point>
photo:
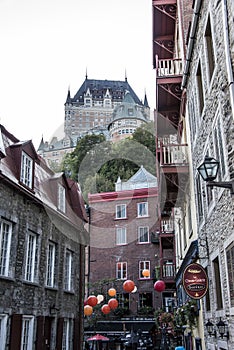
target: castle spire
<point>86,74</point>
<point>126,79</point>
<point>145,100</point>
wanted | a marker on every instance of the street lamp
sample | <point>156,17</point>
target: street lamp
<point>223,329</point>
<point>210,328</point>
<point>209,170</point>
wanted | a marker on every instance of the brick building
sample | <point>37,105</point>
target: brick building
<point>42,240</point>
<point>124,242</point>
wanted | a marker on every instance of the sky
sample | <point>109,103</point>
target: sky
<point>48,45</point>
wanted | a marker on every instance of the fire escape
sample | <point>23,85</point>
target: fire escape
<point>172,167</point>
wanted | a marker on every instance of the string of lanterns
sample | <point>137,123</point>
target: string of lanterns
<point>128,286</point>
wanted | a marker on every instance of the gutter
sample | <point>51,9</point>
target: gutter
<point>192,39</point>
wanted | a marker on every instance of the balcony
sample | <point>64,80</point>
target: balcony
<point>169,67</point>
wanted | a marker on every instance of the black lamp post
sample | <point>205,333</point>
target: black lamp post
<point>209,170</point>
<point>223,329</point>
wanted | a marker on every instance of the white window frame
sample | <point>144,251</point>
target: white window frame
<point>142,234</point>
<point>26,174</point>
<point>143,265</point>
<point>121,235</point>
<point>61,198</point>
<point>27,333</point>
<point>50,271</point>
<point>68,267</point>
<point>5,246</point>
<point>142,209</point>
<point>121,211</point>
<point>67,342</point>
<point>121,273</point>
<point>30,263</point>
<point>3,330</point>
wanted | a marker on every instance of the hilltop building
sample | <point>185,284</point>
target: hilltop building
<point>90,111</point>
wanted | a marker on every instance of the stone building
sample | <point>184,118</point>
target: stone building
<point>194,79</point>
<point>124,242</point>
<point>42,240</point>
<point>126,117</point>
<point>209,115</point>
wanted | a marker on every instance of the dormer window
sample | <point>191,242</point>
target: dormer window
<point>61,198</point>
<point>26,170</point>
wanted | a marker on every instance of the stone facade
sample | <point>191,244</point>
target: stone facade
<point>210,124</point>
<point>42,253</point>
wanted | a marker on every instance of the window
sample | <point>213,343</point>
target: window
<point>27,333</point>
<point>199,198</point>
<point>61,198</point>
<point>209,49</point>
<point>143,265</point>
<point>121,235</point>
<point>142,209</point>
<point>121,211</point>
<point>207,296</point>
<point>123,299</point>
<point>30,266</point>
<point>219,146</point>
<point>3,330</point>
<point>67,343</point>
<point>218,289</point>
<point>68,280</point>
<point>230,269</point>
<point>5,246</point>
<point>143,234</point>
<point>50,275</point>
<point>200,88</point>
<point>145,299</point>
<point>26,170</point>
<point>121,272</point>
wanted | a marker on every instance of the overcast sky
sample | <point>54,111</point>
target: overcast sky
<point>46,46</point>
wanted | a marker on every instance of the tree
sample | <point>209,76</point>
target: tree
<point>96,163</point>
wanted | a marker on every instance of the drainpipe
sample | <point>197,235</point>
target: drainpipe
<point>192,38</point>
<point>227,55</point>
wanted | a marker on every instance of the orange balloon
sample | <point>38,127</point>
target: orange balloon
<point>128,286</point>
<point>113,303</point>
<point>112,292</point>
<point>88,310</point>
<point>106,309</point>
<point>92,300</point>
<point>146,273</point>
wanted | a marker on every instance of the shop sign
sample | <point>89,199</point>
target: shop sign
<point>195,281</point>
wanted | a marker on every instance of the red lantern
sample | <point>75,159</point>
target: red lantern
<point>159,286</point>
<point>146,273</point>
<point>128,286</point>
<point>92,300</point>
<point>106,309</point>
<point>113,303</point>
<point>88,310</point>
<point>112,292</point>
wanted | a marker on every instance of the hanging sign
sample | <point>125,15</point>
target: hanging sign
<point>195,281</point>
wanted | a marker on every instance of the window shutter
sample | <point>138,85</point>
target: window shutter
<point>76,334</point>
<point>59,338</point>
<point>40,333</point>
<point>15,332</point>
<point>47,331</point>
